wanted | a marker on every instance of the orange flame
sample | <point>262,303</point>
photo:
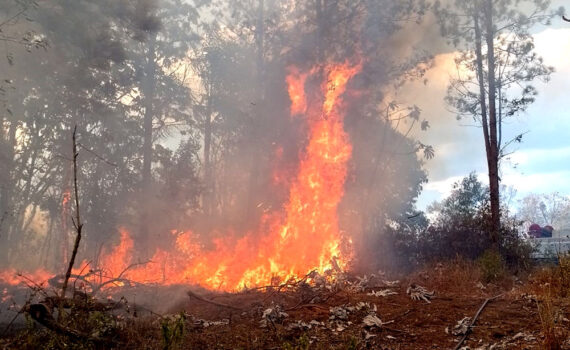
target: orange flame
<point>296,88</point>
<point>305,236</point>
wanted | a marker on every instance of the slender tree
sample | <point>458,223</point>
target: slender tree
<point>496,65</point>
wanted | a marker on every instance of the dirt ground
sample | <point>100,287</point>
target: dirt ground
<point>524,314</point>
<point>511,321</point>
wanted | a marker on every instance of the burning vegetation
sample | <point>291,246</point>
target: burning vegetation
<point>243,175</point>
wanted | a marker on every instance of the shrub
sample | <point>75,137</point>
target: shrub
<point>173,331</point>
<point>492,265</point>
<point>460,228</point>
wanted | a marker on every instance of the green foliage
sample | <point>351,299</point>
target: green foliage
<point>303,343</point>
<point>467,198</point>
<point>173,331</point>
<point>460,228</point>
<point>492,265</point>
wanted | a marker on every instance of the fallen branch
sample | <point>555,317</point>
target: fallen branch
<point>475,320</point>
<point>193,295</point>
<point>42,314</point>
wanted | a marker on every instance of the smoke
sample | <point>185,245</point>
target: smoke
<point>219,79</point>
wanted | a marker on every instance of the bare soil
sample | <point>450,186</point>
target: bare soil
<point>514,320</point>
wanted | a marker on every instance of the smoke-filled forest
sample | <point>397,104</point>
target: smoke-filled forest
<point>277,174</point>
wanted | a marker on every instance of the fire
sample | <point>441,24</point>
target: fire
<point>65,211</point>
<point>13,277</point>
<point>296,88</point>
<point>302,237</point>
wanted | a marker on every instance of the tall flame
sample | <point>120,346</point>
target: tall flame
<point>304,236</point>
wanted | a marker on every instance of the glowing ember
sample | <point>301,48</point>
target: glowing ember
<point>303,237</point>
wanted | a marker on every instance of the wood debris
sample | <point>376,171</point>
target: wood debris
<point>417,292</point>
<point>462,326</point>
<point>272,315</point>
<point>382,293</point>
<point>372,320</point>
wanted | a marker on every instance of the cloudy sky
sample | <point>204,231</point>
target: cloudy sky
<point>540,164</point>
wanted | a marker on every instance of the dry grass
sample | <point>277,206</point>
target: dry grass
<point>554,335</point>
<point>551,287</point>
<point>460,276</point>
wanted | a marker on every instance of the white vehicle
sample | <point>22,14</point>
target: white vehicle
<point>550,248</point>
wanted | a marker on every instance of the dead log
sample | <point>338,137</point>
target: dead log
<point>42,314</point>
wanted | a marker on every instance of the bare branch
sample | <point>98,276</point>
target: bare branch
<point>77,222</point>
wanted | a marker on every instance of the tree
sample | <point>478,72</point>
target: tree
<point>545,209</point>
<point>496,68</point>
<point>460,227</point>
<point>468,196</point>
<point>118,69</point>
<point>166,33</point>
<point>93,76</point>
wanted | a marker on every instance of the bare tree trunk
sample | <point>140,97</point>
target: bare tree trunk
<point>494,152</point>
<point>77,222</point>
<point>7,212</point>
<point>481,80</point>
<point>148,93</point>
<point>208,175</point>
<point>257,141</point>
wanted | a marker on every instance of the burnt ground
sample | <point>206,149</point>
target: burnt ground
<point>511,321</point>
<point>527,314</point>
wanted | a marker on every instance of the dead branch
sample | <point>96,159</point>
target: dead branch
<point>475,320</point>
<point>119,278</point>
<point>42,314</point>
<point>82,301</point>
<point>193,295</point>
<point>77,222</point>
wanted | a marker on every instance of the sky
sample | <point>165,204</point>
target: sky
<point>540,164</point>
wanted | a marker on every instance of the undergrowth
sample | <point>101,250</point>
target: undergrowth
<point>551,286</point>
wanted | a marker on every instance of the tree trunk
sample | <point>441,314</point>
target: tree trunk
<point>148,88</point>
<point>208,180</point>
<point>493,150</point>
<point>7,193</point>
<point>257,140</point>
<point>481,80</point>
<point>148,93</point>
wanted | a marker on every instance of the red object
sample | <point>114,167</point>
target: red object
<point>534,230</point>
